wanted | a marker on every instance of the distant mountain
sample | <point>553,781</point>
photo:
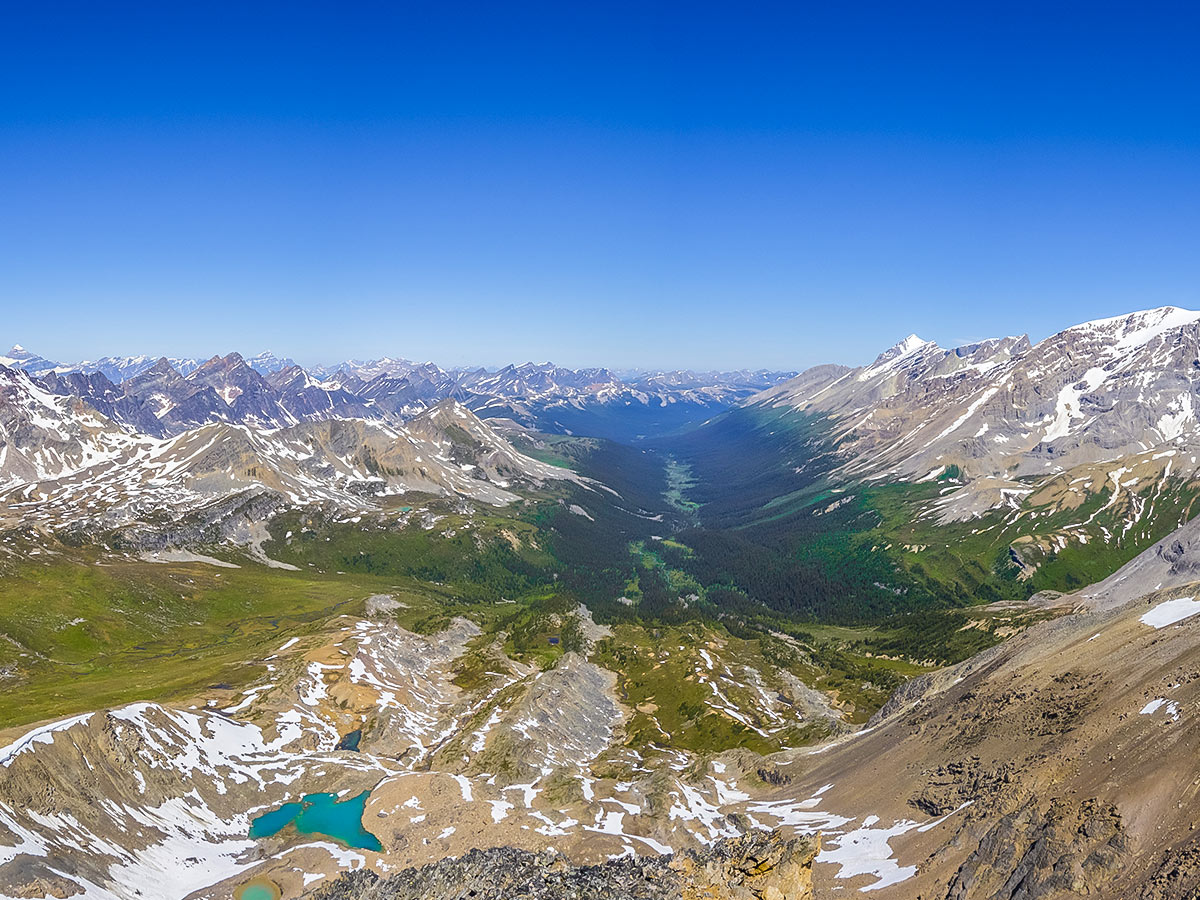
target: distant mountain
<point>267,363</point>
<point>539,381</point>
<point>992,470</point>
<point>117,368</point>
<point>270,391</point>
<point>367,369</point>
<point>248,396</point>
<point>184,365</point>
<point>741,380</point>
<point>20,358</point>
<point>67,467</point>
<point>405,394</point>
<point>597,402</point>
<point>1004,412</point>
<point>97,391</point>
<point>304,398</point>
<point>177,403</point>
<point>45,435</point>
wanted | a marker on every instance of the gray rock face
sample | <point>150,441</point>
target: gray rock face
<point>753,867</point>
<point>98,392</point>
<point>568,716</point>
<point>505,873</point>
<point>43,434</point>
<point>1044,851</point>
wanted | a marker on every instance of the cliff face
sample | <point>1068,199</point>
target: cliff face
<point>754,867</point>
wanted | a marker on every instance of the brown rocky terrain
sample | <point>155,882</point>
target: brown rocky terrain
<point>1065,760</point>
<point>755,867</point>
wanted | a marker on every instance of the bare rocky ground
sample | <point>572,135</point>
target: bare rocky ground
<point>1065,760</point>
<point>755,867</point>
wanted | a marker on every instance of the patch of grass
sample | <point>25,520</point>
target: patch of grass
<point>84,633</point>
<point>678,701</point>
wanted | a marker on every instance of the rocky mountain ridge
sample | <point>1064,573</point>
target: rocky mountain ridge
<point>65,466</point>
<point>1058,763</point>
<point>1002,410</point>
<point>269,391</point>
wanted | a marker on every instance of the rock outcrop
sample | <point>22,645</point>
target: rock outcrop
<point>755,867</point>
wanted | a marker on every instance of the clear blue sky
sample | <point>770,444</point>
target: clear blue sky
<point>593,183</point>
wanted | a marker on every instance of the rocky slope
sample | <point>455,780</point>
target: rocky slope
<point>65,467</point>
<point>752,867</point>
<point>144,798</point>
<point>45,435</point>
<point>1008,415</point>
<point>1058,764</point>
<point>1064,756</point>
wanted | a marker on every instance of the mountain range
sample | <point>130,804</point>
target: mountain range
<point>266,391</point>
<point>934,617</point>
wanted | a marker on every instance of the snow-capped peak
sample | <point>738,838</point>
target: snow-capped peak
<point>1138,328</point>
<point>910,345</point>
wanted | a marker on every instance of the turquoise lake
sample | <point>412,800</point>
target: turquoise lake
<point>321,814</point>
<point>256,892</point>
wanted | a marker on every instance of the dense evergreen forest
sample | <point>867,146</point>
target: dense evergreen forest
<point>745,542</point>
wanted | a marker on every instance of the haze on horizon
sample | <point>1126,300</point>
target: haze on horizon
<point>651,186</point>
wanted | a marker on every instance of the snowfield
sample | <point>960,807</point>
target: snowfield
<point>1171,611</point>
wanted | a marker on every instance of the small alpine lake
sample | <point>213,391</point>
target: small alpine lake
<point>320,814</point>
<point>258,889</point>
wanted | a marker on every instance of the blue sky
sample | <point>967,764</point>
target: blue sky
<point>623,184</point>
